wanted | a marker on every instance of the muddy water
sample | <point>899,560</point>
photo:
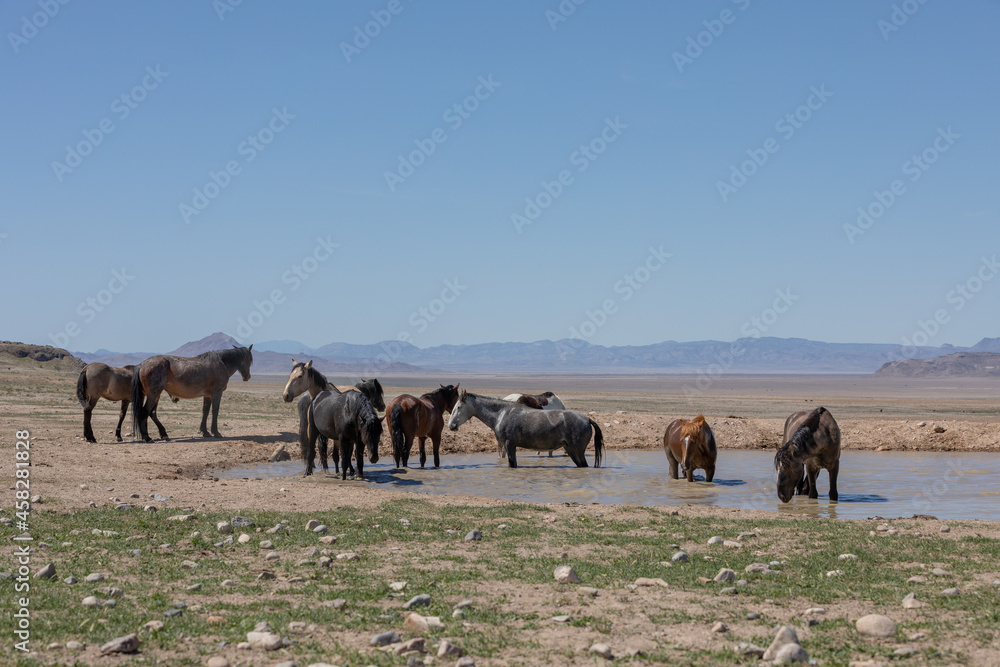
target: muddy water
<point>888,484</point>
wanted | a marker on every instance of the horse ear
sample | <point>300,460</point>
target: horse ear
<point>250,348</point>
<point>462,395</point>
<point>309,364</point>
<point>457,385</point>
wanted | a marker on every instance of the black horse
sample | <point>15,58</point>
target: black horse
<point>348,418</point>
<point>812,442</point>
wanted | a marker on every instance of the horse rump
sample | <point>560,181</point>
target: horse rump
<point>139,415</point>
<point>81,389</point>
<point>598,444</point>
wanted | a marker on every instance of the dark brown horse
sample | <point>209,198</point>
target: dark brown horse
<point>544,401</point>
<point>691,444</point>
<point>812,442</point>
<point>347,418</point>
<point>99,381</point>
<point>408,417</point>
<point>205,376</point>
<point>304,377</point>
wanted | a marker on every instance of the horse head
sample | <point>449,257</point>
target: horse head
<point>790,471</point>
<point>450,395</point>
<point>461,410</point>
<point>298,380</point>
<point>245,361</point>
<point>694,436</point>
<point>373,390</point>
<point>371,433</point>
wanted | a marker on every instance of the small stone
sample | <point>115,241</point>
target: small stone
<point>732,544</point>
<point>847,557</point>
<point>84,487</point>
<point>746,536</point>
<point>464,604</point>
<point>917,579</point>
<point>421,600</point>
<point>882,528</point>
<point>565,574</point>
<point>752,616</point>
<point>814,611</point>
<point>945,529</point>
<point>715,540</point>
<point>181,517</point>
<point>561,619</point>
<point>325,561</point>
<point>311,524</point>
<point>266,576</point>
<point>725,575</point>
<point>90,601</point>
<point>328,539</point>
<point>876,625</point>
<point>729,590</point>
<point>268,641</point>
<point>720,627</point>
<point>397,585</point>
<point>215,620</point>
<point>602,650</point>
<point>338,603</point>
<point>587,590</point>
<point>448,650</point>
<point>951,591</point>
<point>126,644</point>
<point>94,577</point>
<point>195,535</point>
<point>217,661</point>
<point>46,572</point>
<point>834,573</point>
<point>228,583</point>
<point>646,581</point>
<point>241,522</point>
<point>243,538</point>
<point>790,653</point>
<point>939,429</point>
<point>297,626</point>
<point>135,552</point>
<point>758,568</point>
<point>153,626</point>
<point>918,636</point>
<point>74,645</point>
<point>465,661</point>
<point>189,564</point>
<point>743,648</point>
<point>458,613</point>
<point>474,535</point>
<point>111,603</point>
<point>350,555</point>
<point>679,557</point>
<point>272,555</point>
<point>416,624</point>
<point>224,527</point>
<point>150,508</point>
<point>320,529</point>
<point>266,544</point>
<point>906,651</point>
<point>911,602</point>
<point>170,613</point>
<point>784,637</point>
<point>69,580</point>
<point>939,572</point>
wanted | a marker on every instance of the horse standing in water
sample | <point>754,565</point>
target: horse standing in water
<point>99,381</point>
<point>544,401</point>
<point>692,445</point>
<point>812,442</point>
<point>348,418</point>
<point>515,425</point>
<point>205,376</point>
<point>305,378</point>
<point>408,417</point>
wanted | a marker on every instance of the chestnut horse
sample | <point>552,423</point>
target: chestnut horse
<point>544,401</point>
<point>205,376</point>
<point>99,381</point>
<point>812,441</point>
<point>408,417</point>
<point>692,445</point>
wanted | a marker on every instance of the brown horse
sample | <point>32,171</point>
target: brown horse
<point>305,378</point>
<point>692,445</point>
<point>99,381</point>
<point>812,442</point>
<point>205,376</point>
<point>408,417</point>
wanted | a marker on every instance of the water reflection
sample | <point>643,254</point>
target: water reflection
<point>923,483</point>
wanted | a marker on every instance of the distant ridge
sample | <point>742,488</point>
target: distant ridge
<point>960,364</point>
<point>40,355</point>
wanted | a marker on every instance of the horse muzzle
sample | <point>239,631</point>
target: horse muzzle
<point>287,398</point>
<point>452,427</point>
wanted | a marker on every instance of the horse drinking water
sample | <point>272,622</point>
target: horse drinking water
<point>408,417</point>
<point>205,376</point>
<point>812,441</point>
<point>515,425</point>
<point>690,443</point>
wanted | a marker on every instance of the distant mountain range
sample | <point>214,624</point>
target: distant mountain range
<point>746,355</point>
<point>960,364</point>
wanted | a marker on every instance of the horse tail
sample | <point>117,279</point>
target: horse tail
<point>81,389</point>
<point>598,444</point>
<point>139,415</point>
<point>304,414</point>
<point>396,428</point>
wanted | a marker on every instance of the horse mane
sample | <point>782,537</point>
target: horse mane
<point>371,422</point>
<point>798,445</point>
<point>231,354</point>
<point>530,401</point>
<point>694,428</point>
<point>315,375</point>
<point>129,367</point>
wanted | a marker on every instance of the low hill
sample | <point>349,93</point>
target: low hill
<point>960,364</point>
<point>44,356</point>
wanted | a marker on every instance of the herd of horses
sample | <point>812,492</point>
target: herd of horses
<point>538,422</point>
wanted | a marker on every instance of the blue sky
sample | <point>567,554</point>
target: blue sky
<point>146,241</point>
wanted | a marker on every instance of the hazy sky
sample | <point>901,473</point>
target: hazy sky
<point>497,171</point>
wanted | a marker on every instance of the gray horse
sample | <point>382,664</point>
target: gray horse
<point>205,376</point>
<point>347,418</point>
<point>541,430</point>
<point>812,442</point>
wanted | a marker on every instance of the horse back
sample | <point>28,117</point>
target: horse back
<point>825,432</point>
<point>672,437</point>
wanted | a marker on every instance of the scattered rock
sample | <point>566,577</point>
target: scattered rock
<point>725,575</point>
<point>243,538</point>
<point>150,508</point>
<point>474,535</point>
<point>906,651</point>
<point>272,555</point>
<point>752,616</point>
<point>939,429</point>
<point>834,573</point>
<point>729,590</point>
<point>587,590</point>
<point>715,540</point>
<point>350,555</point>
<point>328,539</point>
<point>790,653</point>
<point>46,572</point>
<point>814,611</point>
<point>646,581</point>
<point>847,557</point>
<point>126,644</point>
<point>602,650</point>
<point>69,580</point>
<point>746,536</point>
<point>911,602</point>
<point>189,564</point>
<point>758,568</point>
<point>876,625</point>
<point>732,544</point>
<point>420,625</point>
<point>785,637</point>
<point>266,544</point>
<point>418,644</point>
<point>320,529</point>
<point>311,523</point>
<point>918,636</point>
<point>945,529</point>
<point>279,455</point>
<point>241,522</point>
<point>743,648</point>
<point>94,577</point>
<point>181,517</point>
<point>224,527</point>
<point>421,600</point>
<point>466,661</point>
<point>268,641</point>
<point>397,585</point>
<point>215,620</point>
<point>565,574</point>
<point>90,601</point>
<point>74,645</point>
<point>217,661</point>
<point>448,650</point>
<point>465,604</point>
<point>561,619</point>
<point>939,572</point>
<point>917,579</point>
<point>679,557</point>
<point>228,583</point>
<point>153,626</point>
<point>720,627</point>
<point>951,591</point>
<point>266,576</point>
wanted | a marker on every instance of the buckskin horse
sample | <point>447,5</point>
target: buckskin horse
<point>348,418</point>
<point>515,425</point>
<point>691,444</point>
<point>304,377</point>
<point>205,376</point>
<point>812,442</point>
<point>99,381</point>
<point>411,417</point>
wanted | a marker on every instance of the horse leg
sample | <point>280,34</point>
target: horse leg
<point>216,402</point>
<point>673,464</point>
<point>206,403</point>
<point>121,418</point>
<point>811,474</point>
<point>436,442</point>
<point>406,452</point>
<point>309,448</point>
<point>323,451</point>
<point>345,456</point>
<point>88,430</point>
<point>511,454</point>
<point>151,404</point>
<point>834,470</point>
<point>359,456</point>
<point>423,451</point>
<point>709,473</point>
<point>501,449</point>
